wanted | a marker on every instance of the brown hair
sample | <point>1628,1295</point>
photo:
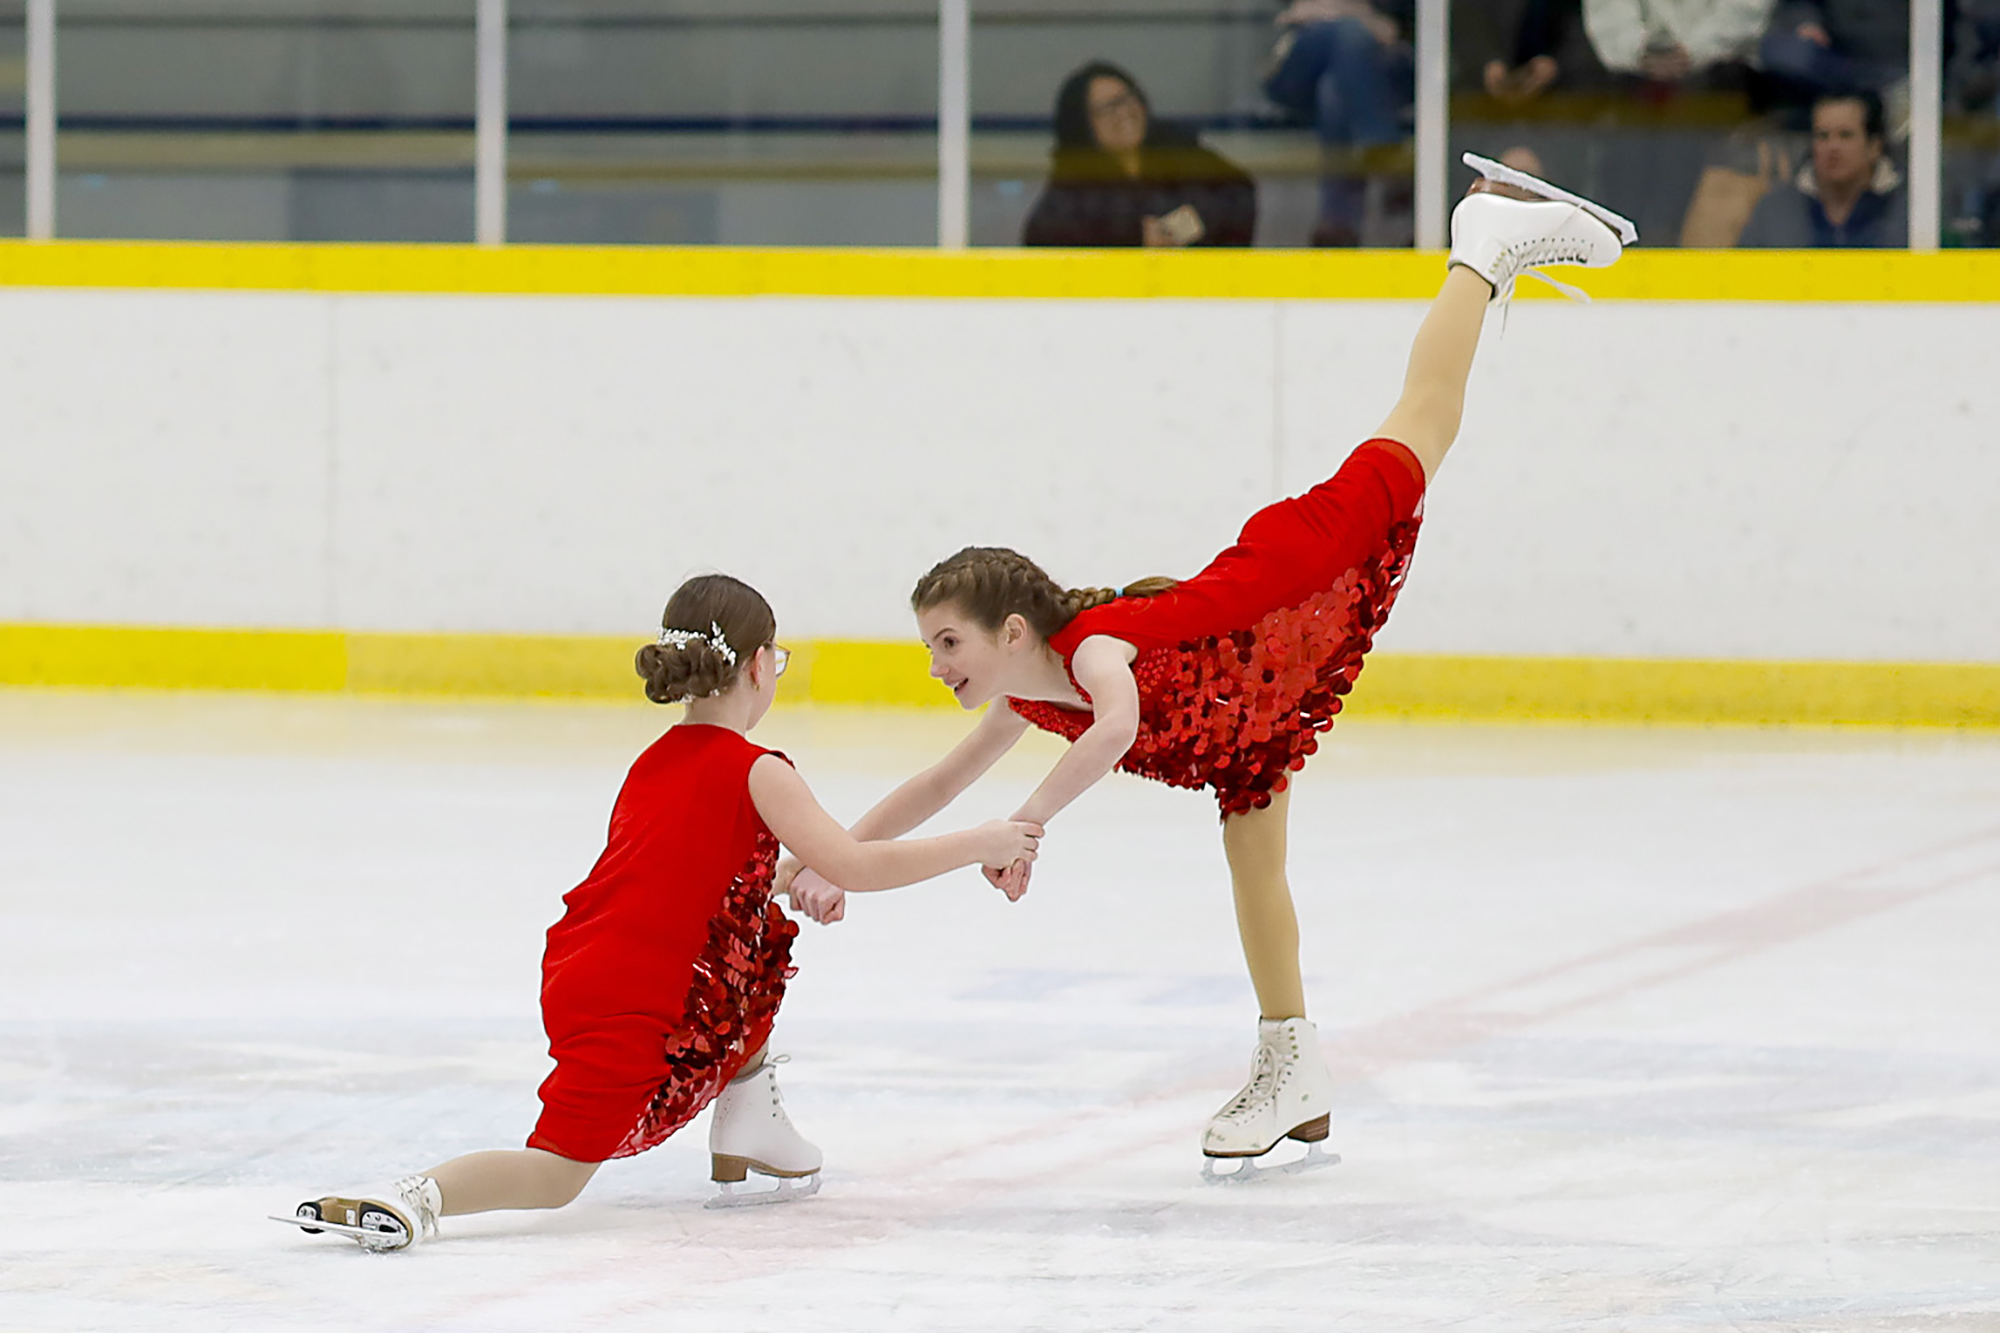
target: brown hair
<point>990,583</point>
<point>696,669</point>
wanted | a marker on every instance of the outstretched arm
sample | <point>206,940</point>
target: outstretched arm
<point>939,785</point>
<point>1103,667</point>
<point>903,809</point>
<point>796,817</point>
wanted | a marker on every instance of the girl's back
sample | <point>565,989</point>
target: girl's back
<point>682,832</point>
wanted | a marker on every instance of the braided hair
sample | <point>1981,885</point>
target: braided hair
<point>990,583</point>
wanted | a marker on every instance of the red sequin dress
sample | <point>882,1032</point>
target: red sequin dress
<point>1242,666</point>
<point>667,967</point>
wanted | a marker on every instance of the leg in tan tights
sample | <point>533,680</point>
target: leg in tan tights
<point>482,1182</point>
<point>1426,420</point>
<point>509,1178</point>
<point>1254,842</point>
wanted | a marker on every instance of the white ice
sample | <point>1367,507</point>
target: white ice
<point>1634,1029</point>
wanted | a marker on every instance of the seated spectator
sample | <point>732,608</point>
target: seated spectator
<point>1848,195</point>
<point>1517,50</point>
<point>1120,177</point>
<point>1676,42</point>
<point>1821,46</point>
<point>1347,66</point>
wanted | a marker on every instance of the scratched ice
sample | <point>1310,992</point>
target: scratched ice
<point>1638,1029</point>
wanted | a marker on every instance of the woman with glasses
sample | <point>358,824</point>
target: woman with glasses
<point>1120,177</point>
<point>661,981</point>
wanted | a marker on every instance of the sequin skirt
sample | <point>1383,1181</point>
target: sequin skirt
<point>1239,712</point>
<point>663,1075</point>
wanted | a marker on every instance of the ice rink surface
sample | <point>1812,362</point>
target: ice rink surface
<point>1634,1029</point>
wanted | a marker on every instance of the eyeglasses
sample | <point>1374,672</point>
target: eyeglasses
<point>1125,101</point>
<point>780,657</point>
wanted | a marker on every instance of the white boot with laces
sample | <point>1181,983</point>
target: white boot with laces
<point>749,1131</point>
<point>1504,236</point>
<point>1289,1096</point>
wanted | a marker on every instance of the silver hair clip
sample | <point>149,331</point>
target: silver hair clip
<point>715,639</point>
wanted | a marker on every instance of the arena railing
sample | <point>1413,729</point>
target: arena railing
<point>491,142</point>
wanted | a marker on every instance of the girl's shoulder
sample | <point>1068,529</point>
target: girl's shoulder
<point>706,748</point>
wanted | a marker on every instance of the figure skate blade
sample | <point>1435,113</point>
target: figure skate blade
<point>1628,232</point>
<point>1252,1168</point>
<point>789,1188</point>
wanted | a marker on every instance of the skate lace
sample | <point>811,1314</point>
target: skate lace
<point>1261,1088</point>
<point>1522,261</point>
<point>410,1190</point>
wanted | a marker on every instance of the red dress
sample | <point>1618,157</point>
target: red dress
<point>667,967</point>
<point>1241,666</point>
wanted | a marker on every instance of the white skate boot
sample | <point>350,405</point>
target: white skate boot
<point>1289,1096</point>
<point>392,1218</point>
<point>749,1131</point>
<point>1500,237</point>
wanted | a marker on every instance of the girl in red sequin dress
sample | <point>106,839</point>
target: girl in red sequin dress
<point>662,978</point>
<point>1226,680</point>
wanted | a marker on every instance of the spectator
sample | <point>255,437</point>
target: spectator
<point>1517,50</point>
<point>1972,79</point>
<point>1815,47</point>
<point>1347,66</point>
<point>1120,177</point>
<point>1676,42</point>
<point>1848,195</point>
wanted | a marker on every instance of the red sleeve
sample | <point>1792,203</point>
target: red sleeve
<point>1287,552</point>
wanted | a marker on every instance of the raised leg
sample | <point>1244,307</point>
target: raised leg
<point>1266,921</point>
<point>481,1182</point>
<point>1426,417</point>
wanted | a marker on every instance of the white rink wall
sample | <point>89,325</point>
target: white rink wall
<point>1638,479</point>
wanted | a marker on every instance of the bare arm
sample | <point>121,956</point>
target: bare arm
<point>1103,667</point>
<point>796,817</point>
<point>939,785</point>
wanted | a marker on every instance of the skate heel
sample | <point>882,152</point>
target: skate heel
<point>724,1168</point>
<point>1312,1131</point>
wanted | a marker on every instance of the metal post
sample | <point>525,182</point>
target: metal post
<point>954,123</point>
<point>41,119</point>
<point>489,171</point>
<point>1433,149</point>
<point>1926,122</point>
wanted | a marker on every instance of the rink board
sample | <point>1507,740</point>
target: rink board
<point>1740,487</point>
<point>853,672</point>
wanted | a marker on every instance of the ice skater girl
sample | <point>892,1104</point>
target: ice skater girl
<point>1227,679</point>
<point>661,980</point>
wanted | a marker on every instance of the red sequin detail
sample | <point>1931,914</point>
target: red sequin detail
<point>1239,711</point>
<point>739,980</point>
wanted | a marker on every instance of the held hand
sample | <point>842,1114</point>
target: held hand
<point>787,871</point>
<point>1002,842</point>
<point>1668,64</point>
<point>817,898</point>
<point>1013,881</point>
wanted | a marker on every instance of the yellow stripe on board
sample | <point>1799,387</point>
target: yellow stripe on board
<point>1672,275</point>
<point>833,671</point>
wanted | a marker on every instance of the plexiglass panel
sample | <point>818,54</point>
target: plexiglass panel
<point>13,98</point>
<point>1214,122</point>
<point>1698,120</point>
<point>312,120</point>
<point>740,122</point>
<point>1971,212</point>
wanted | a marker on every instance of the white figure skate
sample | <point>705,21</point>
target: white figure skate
<point>1289,1096</point>
<point>392,1218</point>
<point>1501,238</point>
<point>749,1131</point>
